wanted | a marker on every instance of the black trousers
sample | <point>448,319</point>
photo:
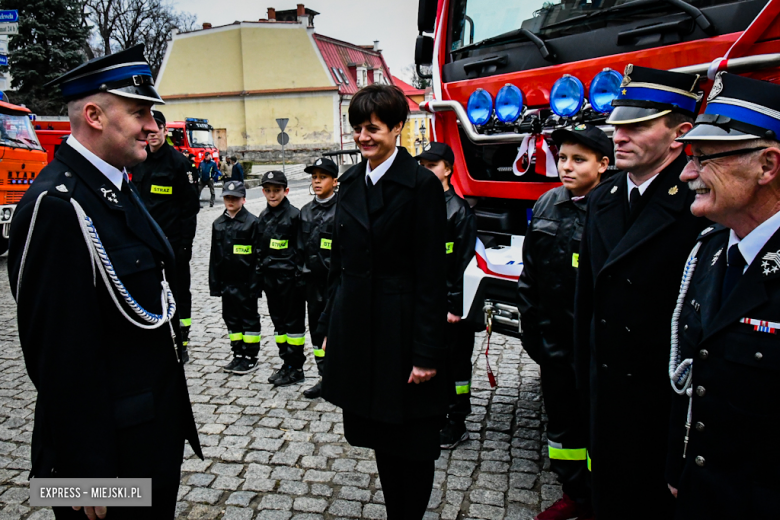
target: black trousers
<point>183,282</point>
<point>459,337</point>
<point>287,307</point>
<point>566,430</point>
<point>163,507</point>
<point>239,310</point>
<point>406,485</point>
<point>315,301</point>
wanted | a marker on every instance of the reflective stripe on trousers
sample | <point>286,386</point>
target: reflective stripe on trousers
<point>186,322</point>
<point>558,452</point>
<point>462,387</point>
<point>235,336</point>
<point>252,337</point>
<point>319,353</point>
<point>296,339</point>
<point>280,338</point>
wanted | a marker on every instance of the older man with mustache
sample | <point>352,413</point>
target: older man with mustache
<point>725,353</point>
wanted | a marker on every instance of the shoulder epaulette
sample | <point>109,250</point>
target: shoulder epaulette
<point>63,186</point>
<point>711,231</point>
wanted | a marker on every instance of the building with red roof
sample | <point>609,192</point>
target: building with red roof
<point>415,134</point>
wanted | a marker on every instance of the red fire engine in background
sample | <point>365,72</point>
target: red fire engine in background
<point>194,135</point>
<point>506,74</point>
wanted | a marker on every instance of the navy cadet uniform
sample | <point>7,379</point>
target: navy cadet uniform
<point>315,238</point>
<point>546,301</point>
<point>280,264</point>
<point>170,197</point>
<point>112,397</point>
<point>725,465</point>
<point>233,277</point>
<point>630,263</point>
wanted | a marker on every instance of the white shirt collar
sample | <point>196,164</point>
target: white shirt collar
<point>752,244</point>
<point>381,169</point>
<point>113,174</point>
<point>642,187</point>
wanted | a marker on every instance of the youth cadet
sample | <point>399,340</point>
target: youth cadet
<point>280,264</point>
<point>233,277</point>
<point>315,240</point>
<point>546,303</point>
<point>461,239</point>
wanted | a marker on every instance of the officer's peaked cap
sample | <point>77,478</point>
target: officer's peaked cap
<point>738,109</point>
<point>125,73</point>
<point>647,94</point>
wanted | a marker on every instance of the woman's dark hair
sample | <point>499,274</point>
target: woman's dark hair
<point>386,101</point>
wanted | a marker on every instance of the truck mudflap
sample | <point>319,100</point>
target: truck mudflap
<point>490,285</point>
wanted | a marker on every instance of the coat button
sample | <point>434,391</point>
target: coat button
<point>699,426</point>
<point>685,327</point>
<point>700,461</point>
<point>603,321</point>
<point>700,391</point>
<point>628,330</point>
<point>758,356</point>
<point>138,262</point>
<point>628,281</point>
<point>704,354</point>
<point>68,174</point>
<point>604,366</point>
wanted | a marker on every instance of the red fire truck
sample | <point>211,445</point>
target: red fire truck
<point>194,135</point>
<point>506,74</point>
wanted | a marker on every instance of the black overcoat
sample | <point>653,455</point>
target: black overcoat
<point>112,398</point>
<point>387,302</point>
<point>730,469</point>
<point>627,285</point>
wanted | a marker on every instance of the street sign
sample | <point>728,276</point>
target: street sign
<point>9,28</point>
<point>9,16</point>
<point>283,138</point>
<point>4,60</point>
<point>3,47</point>
<point>282,122</point>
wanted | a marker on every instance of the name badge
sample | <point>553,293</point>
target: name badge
<point>325,243</point>
<point>450,247</point>
<point>278,244</point>
<point>162,190</point>
<point>575,260</point>
<point>242,250</point>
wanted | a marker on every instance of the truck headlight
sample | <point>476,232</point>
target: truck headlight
<point>480,107</point>
<point>603,89</point>
<point>509,103</point>
<point>567,96</point>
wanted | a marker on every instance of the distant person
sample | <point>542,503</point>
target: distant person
<point>209,174</point>
<point>224,167</point>
<point>238,170</point>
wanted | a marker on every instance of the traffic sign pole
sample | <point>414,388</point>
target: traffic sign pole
<point>282,138</point>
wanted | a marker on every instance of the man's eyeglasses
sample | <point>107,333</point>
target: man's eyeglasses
<point>699,159</point>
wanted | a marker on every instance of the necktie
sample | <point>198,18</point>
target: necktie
<point>633,199</point>
<point>736,264</point>
<point>369,182</point>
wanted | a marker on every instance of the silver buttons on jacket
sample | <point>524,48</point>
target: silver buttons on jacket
<point>700,391</point>
<point>700,461</point>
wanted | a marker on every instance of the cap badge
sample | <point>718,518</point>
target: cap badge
<point>580,127</point>
<point>319,161</point>
<point>716,256</point>
<point>108,194</point>
<point>231,186</point>
<point>271,175</point>
<point>771,262</point>
<point>427,147</point>
<point>613,190</point>
<point>717,87</point>
<point>673,190</point>
<point>61,188</point>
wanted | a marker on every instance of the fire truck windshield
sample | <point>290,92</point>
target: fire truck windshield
<point>16,131</point>
<point>481,23</point>
<point>201,139</point>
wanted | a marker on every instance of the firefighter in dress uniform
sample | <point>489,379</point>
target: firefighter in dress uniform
<point>93,276</point>
<point>725,353</point>
<point>166,188</point>
<point>637,235</point>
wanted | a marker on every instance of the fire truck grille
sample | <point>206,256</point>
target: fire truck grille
<point>13,197</point>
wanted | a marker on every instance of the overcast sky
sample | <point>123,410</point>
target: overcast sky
<point>393,23</point>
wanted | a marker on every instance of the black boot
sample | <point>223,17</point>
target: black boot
<point>290,377</point>
<point>314,392</point>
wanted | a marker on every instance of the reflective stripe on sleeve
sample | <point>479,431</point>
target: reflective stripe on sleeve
<point>186,322</point>
<point>462,387</point>
<point>318,352</point>
<point>296,339</point>
<point>235,336</point>
<point>251,337</point>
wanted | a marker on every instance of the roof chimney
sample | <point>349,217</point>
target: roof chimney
<point>376,45</point>
<point>271,14</point>
<point>206,25</point>
<point>301,10</point>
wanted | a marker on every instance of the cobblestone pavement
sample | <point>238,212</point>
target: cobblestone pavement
<point>273,454</point>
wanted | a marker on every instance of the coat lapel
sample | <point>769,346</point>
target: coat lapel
<point>611,212</point>
<point>400,176</point>
<point>707,283</point>
<point>352,195</point>
<point>661,211</point>
<point>750,291</point>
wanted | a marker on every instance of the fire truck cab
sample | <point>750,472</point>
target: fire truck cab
<point>506,74</point>
<point>21,160</point>
<point>194,135</point>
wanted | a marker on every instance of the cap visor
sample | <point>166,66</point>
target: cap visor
<point>428,156</point>
<point>702,132</point>
<point>628,115</point>
<point>233,193</point>
<point>144,92</point>
<point>278,183</point>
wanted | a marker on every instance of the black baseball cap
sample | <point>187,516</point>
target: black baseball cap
<point>159,117</point>
<point>235,188</point>
<point>325,165</point>
<point>274,177</point>
<point>587,135</point>
<point>437,152</point>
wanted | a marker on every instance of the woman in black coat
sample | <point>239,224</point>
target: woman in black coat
<point>387,292</point>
